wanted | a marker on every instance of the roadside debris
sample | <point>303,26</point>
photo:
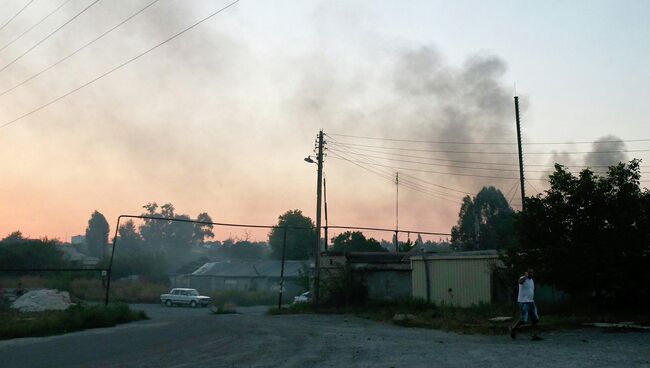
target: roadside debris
<point>42,300</point>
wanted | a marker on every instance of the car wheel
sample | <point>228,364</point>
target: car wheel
<point>169,303</point>
<point>193,304</point>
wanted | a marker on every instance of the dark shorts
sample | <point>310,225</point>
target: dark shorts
<point>528,311</point>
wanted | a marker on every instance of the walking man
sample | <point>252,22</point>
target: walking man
<point>527,307</point>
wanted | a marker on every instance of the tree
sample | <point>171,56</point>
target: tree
<point>97,235</point>
<point>202,231</point>
<point>15,237</point>
<point>301,236</point>
<point>31,254</point>
<point>589,234</point>
<point>484,222</point>
<point>173,237</point>
<point>355,241</point>
<point>129,241</point>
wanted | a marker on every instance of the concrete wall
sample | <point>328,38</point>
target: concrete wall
<point>460,280</point>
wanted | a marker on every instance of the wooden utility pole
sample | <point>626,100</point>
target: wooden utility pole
<point>319,191</point>
<point>397,212</point>
<point>325,200</point>
<point>521,157</point>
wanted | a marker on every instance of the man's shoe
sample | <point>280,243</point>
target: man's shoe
<point>536,338</point>
<point>513,334</point>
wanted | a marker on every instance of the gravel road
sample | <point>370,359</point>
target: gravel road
<point>183,337</point>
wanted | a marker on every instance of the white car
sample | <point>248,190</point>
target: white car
<point>302,298</point>
<point>182,296</point>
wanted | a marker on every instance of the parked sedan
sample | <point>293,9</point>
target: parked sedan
<point>182,296</point>
<point>302,298</point>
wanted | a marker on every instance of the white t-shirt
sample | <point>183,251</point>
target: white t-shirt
<point>526,291</point>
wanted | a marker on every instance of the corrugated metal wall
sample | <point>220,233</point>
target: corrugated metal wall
<point>453,281</point>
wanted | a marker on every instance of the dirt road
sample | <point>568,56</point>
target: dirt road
<point>183,337</point>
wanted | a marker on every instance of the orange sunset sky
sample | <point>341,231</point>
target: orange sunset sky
<point>219,119</point>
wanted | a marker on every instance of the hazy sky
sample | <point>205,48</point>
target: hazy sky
<point>220,119</point>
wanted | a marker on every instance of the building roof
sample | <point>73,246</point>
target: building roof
<point>245,268</point>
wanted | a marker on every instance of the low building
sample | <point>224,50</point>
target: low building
<point>73,255</point>
<point>386,276</point>
<point>460,279</point>
<point>246,275</point>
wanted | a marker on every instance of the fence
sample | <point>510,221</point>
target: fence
<point>286,231</point>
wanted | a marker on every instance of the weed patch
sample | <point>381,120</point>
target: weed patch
<point>79,317</point>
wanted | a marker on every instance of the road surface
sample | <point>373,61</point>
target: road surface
<point>184,337</point>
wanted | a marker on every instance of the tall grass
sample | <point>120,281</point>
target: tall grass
<point>243,298</point>
<point>121,291</point>
<point>79,317</point>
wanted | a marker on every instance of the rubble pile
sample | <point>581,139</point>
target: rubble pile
<point>42,300</point>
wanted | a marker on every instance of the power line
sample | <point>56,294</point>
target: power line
<point>120,65</point>
<point>487,143</point>
<point>436,185</point>
<point>35,25</point>
<point>486,152</point>
<point>532,186</point>
<point>460,161</point>
<point>79,49</point>
<point>350,151</point>
<point>510,191</point>
<point>514,192</point>
<point>391,179</point>
<point>389,175</point>
<point>15,15</point>
<point>48,36</point>
<point>439,172</point>
<point>451,166</point>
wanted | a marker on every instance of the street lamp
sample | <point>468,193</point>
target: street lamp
<point>309,159</point>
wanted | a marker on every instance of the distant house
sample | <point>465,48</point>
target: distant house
<point>181,277</point>
<point>72,254</point>
<point>77,239</point>
<point>249,275</point>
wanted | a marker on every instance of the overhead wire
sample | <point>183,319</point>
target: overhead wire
<point>391,179</point>
<point>34,25</point>
<point>120,65</point>
<point>390,175</point>
<point>465,161</point>
<point>487,143</point>
<point>532,186</point>
<point>488,152</point>
<point>48,36</point>
<point>35,75</point>
<point>514,192</point>
<point>15,15</point>
<point>352,152</point>
<point>439,172</point>
<point>446,165</point>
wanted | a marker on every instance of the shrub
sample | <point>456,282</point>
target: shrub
<point>78,317</point>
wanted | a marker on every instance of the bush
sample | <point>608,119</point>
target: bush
<point>121,291</point>
<point>243,298</point>
<point>343,289</point>
<point>78,317</point>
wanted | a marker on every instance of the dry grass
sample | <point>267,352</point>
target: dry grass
<point>121,291</point>
<point>80,317</point>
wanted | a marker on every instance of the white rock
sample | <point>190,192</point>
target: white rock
<point>42,300</point>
